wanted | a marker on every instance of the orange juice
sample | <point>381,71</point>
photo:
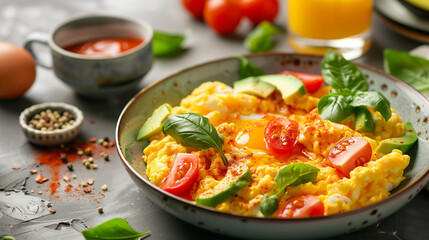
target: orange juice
<point>329,19</point>
<point>314,26</point>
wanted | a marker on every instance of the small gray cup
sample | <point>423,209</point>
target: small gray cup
<point>97,77</point>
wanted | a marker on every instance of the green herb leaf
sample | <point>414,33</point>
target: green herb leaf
<point>247,69</point>
<point>7,238</point>
<point>410,69</point>
<point>194,130</point>
<point>341,73</point>
<point>334,107</point>
<point>375,100</point>
<point>260,39</point>
<point>116,228</point>
<point>164,44</point>
<point>295,174</point>
<point>269,205</point>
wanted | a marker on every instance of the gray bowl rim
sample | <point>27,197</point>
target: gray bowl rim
<point>223,214</point>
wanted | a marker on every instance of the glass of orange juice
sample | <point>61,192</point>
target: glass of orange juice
<point>316,25</point>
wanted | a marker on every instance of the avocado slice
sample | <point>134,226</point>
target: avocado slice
<point>254,86</point>
<point>364,121</point>
<point>290,87</point>
<point>152,126</point>
<point>403,143</point>
<point>237,177</point>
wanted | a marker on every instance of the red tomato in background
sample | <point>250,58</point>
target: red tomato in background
<point>223,16</point>
<point>349,154</point>
<point>260,10</point>
<point>281,135</point>
<point>312,82</point>
<point>301,207</point>
<point>182,175</point>
<point>195,7</point>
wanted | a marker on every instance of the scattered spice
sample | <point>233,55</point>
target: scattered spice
<point>94,166</point>
<point>90,181</point>
<point>92,140</point>
<point>16,167</point>
<point>53,210</point>
<point>100,210</point>
<point>112,143</point>
<point>74,176</point>
<point>50,120</point>
<point>104,187</point>
<point>32,191</point>
<point>40,179</point>
<point>87,189</point>
<point>40,192</point>
<point>106,144</point>
<point>33,171</point>
<point>90,160</point>
<point>84,184</point>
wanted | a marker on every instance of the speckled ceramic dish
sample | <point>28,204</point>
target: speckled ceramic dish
<point>410,104</point>
<point>52,137</point>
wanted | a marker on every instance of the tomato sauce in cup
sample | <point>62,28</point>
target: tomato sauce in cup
<point>105,47</point>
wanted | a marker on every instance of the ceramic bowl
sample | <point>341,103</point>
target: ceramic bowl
<point>95,76</point>
<point>410,104</point>
<point>54,137</point>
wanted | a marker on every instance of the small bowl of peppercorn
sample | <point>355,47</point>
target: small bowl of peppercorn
<point>51,124</point>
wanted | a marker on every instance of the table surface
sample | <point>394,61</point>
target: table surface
<point>23,217</point>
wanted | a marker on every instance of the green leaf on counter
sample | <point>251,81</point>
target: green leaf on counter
<point>261,38</point>
<point>247,69</point>
<point>116,228</point>
<point>194,130</point>
<point>7,238</point>
<point>341,73</point>
<point>164,44</point>
<point>410,69</point>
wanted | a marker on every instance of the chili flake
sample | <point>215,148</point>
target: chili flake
<point>53,210</point>
<point>66,178</point>
<point>40,179</point>
<point>16,167</point>
<point>33,171</point>
<point>87,189</point>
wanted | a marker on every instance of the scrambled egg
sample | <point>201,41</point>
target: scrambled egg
<point>240,119</point>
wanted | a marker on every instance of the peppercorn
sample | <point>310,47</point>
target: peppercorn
<point>63,157</point>
<point>100,210</point>
<point>49,120</point>
<point>70,167</point>
<point>88,152</point>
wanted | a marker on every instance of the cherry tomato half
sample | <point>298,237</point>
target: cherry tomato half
<point>260,10</point>
<point>281,135</point>
<point>312,82</point>
<point>195,7</point>
<point>301,207</point>
<point>182,175</point>
<point>223,16</point>
<point>349,154</point>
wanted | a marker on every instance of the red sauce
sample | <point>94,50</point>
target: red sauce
<point>105,47</point>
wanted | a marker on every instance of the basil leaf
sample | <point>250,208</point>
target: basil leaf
<point>341,73</point>
<point>334,107</point>
<point>260,39</point>
<point>247,69</point>
<point>269,204</point>
<point>116,228</point>
<point>410,69</point>
<point>375,100</point>
<point>7,238</point>
<point>295,174</point>
<point>164,44</point>
<point>194,130</point>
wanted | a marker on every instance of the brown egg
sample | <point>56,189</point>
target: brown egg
<point>17,71</point>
